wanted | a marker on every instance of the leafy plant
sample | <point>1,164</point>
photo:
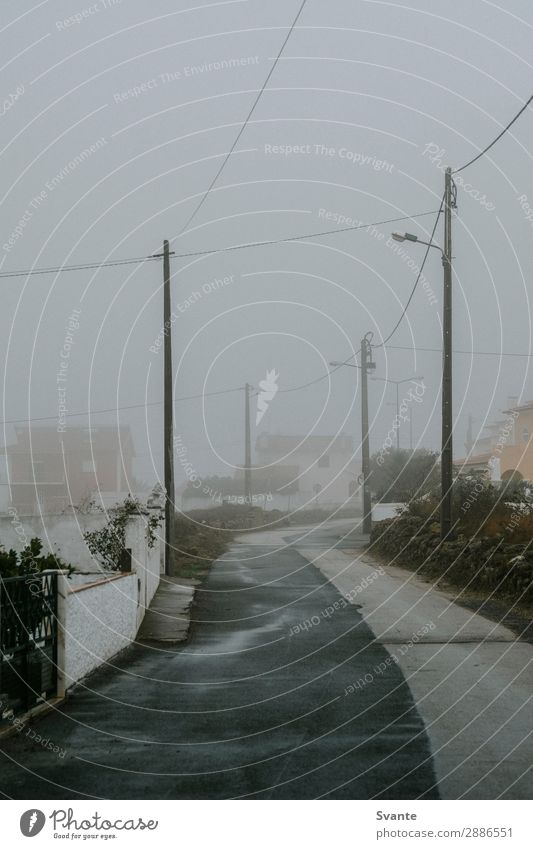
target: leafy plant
<point>108,544</point>
<point>29,561</point>
<point>482,508</point>
<point>403,475</point>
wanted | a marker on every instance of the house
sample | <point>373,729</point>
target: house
<point>47,471</point>
<point>505,450</point>
<point>307,470</point>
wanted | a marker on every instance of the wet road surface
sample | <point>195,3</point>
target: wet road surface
<point>244,709</point>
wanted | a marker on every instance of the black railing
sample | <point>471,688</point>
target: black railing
<point>28,642</point>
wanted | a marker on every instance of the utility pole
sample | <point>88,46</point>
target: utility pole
<point>397,417</point>
<point>469,444</point>
<point>247,447</point>
<point>168,426</point>
<point>447,422</point>
<point>366,366</point>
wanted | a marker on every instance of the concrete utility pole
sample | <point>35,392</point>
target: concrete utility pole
<point>469,444</point>
<point>447,421</point>
<point>247,447</point>
<point>366,366</point>
<point>168,426</point>
<point>398,416</point>
<point>446,457</point>
<point>398,383</point>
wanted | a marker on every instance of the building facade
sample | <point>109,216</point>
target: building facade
<point>312,471</point>
<point>505,449</point>
<point>47,471</point>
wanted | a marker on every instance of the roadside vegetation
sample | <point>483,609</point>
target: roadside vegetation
<point>403,475</point>
<point>491,553</point>
<point>198,542</point>
<point>203,535</point>
<point>108,544</point>
<point>28,562</point>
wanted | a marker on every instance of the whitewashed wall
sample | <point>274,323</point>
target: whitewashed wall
<point>386,510</point>
<point>99,611</point>
<point>145,561</point>
<point>98,620</point>
<point>61,534</point>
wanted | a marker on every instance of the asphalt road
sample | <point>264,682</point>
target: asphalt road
<point>471,677</point>
<point>255,705</point>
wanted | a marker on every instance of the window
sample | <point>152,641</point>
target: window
<point>323,462</point>
<point>39,471</point>
<point>525,434</point>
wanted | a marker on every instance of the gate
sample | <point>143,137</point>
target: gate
<point>28,642</point>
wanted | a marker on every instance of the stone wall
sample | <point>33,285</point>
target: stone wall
<point>484,564</point>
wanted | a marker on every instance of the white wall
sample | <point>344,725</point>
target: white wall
<point>99,611</point>
<point>61,534</point>
<point>97,621</point>
<point>334,479</point>
<point>100,614</point>
<point>145,561</point>
<point>386,510</point>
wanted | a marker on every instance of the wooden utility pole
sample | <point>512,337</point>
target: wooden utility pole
<point>398,415</point>
<point>446,466</point>
<point>247,447</point>
<point>366,365</point>
<point>469,444</point>
<point>168,426</point>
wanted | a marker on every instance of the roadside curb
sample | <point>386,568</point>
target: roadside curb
<point>168,618</point>
<point>19,722</point>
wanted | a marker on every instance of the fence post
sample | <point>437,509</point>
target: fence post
<point>62,631</point>
<point>156,507</point>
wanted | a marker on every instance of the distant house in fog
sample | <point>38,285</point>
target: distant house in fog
<point>213,491</point>
<point>505,450</point>
<point>317,470</point>
<point>47,471</point>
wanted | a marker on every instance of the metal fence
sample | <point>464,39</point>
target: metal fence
<point>28,642</point>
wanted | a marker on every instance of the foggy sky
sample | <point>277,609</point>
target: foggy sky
<point>363,89</point>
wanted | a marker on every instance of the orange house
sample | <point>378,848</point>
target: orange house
<point>507,445</point>
<point>50,471</point>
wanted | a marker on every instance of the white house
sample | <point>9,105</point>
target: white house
<point>316,470</point>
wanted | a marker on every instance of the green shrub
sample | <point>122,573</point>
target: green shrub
<point>29,561</point>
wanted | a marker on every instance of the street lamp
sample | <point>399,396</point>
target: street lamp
<point>446,461</point>
<point>409,237</point>
<point>398,383</point>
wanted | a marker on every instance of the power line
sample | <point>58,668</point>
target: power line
<point>78,267</point>
<point>306,236</point>
<point>83,266</point>
<point>498,137</point>
<point>401,348</point>
<point>456,351</point>
<point>210,394</point>
<point>419,275</point>
<point>245,124</point>
<point>240,388</point>
<point>323,376</point>
<point>117,409</point>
